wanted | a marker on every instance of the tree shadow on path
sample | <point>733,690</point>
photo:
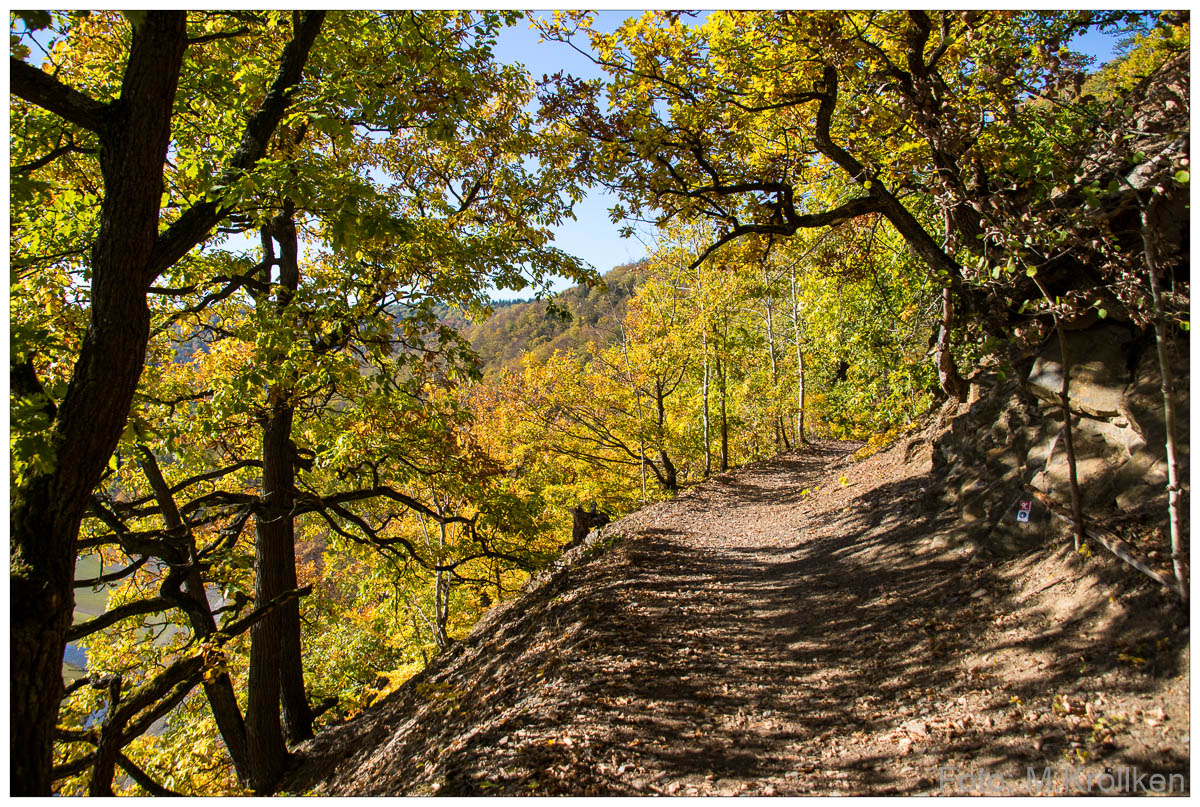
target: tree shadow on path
<point>753,638</point>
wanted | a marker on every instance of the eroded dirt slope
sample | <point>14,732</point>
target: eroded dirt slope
<point>800,626</point>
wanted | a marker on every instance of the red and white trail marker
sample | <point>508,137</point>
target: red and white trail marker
<point>1023,510</point>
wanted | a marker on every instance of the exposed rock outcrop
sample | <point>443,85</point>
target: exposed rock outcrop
<point>1011,435</point>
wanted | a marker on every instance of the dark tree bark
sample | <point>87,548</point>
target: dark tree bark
<point>127,255</point>
<point>297,714</point>
<point>47,509</point>
<point>583,522</point>
<point>276,685</point>
<point>131,716</point>
<point>948,376</point>
<point>670,476</point>
<point>275,543</point>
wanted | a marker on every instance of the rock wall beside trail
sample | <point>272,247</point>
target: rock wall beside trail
<point>1010,433</point>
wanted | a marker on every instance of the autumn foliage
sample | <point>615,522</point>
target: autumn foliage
<point>248,248</point>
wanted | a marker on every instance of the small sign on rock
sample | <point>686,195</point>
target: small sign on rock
<point>1023,510</point>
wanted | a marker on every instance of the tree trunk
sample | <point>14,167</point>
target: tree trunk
<point>705,416</point>
<point>724,417</point>
<point>276,684</point>
<point>47,507</point>
<point>705,383</point>
<point>297,714</point>
<point>128,253</point>
<point>637,394</point>
<point>109,744</point>
<point>800,439</point>
<point>952,383</point>
<point>1174,508</point>
<point>274,567</point>
<point>670,477</point>
<point>221,696</point>
<point>780,437</point>
<point>1068,431</point>
<point>441,596</point>
<point>1064,397</point>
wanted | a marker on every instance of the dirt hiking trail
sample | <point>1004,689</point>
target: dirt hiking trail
<point>792,627</point>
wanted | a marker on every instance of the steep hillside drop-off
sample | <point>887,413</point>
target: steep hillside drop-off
<point>813,624</point>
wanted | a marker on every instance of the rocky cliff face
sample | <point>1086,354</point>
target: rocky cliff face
<point>1010,434</point>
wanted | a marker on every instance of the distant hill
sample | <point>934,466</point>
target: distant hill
<point>570,319</point>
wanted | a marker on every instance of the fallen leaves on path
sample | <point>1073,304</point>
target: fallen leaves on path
<point>789,628</point>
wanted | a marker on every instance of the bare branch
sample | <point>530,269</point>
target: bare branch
<point>137,608</point>
<point>111,576</point>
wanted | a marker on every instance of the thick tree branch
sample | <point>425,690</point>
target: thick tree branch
<point>51,156</point>
<point>135,543</point>
<point>37,87</point>
<point>381,491</point>
<point>242,625</point>
<point>72,768</point>
<point>142,778</point>
<point>829,218</point>
<point>24,383</point>
<point>219,35</point>
<point>900,217</point>
<point>166,690</point>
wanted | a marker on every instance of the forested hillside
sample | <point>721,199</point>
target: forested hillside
<point>274,451</point>
<point>569,321</point>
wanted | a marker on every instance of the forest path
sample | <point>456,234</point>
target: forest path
<point>792,627</point>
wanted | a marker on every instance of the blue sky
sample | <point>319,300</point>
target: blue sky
<point>592,236</point>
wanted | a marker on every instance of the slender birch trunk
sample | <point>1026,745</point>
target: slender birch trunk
<point>721,369</point>
<point>638,398</point>
<point>705,384</point>
<point>1175,511</point>
<point>800,440</point>
<point>774,374</point>
<point>441,594</point>
<point>1065,402</point>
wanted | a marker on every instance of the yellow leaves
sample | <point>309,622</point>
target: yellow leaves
<point>225,357</point>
